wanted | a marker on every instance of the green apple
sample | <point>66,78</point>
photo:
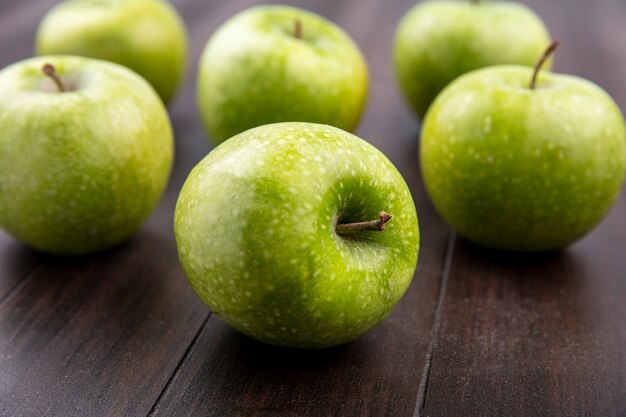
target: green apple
<point>147,36</point>
<point>439,40</point>
<point>520,168</point>
<point>278,64</point>
<point>86,149</point>
<point>280,231</point>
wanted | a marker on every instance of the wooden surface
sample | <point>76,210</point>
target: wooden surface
<point>479,332</point>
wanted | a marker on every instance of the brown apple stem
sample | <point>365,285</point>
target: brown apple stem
<point>297,30</point>
<point>50,71</point>
<point>544,57</point>
<point>377,225</point>
<point>475,2</point>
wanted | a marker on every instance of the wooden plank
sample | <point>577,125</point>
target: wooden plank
<point>97,335</point>
<point>226,373</point>
<point>542,334</point>
<point>100,334</point>
<point>534,335</point>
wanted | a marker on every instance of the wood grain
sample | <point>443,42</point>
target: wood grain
<point>97,335</point>
<point>534,335</point>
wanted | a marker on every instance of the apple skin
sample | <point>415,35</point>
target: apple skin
<point>437,41</point>
<point>147,36</point>
<point>254,71</point>
<point>81,170</point>
<point>254,227</point>
<point>519,169</point>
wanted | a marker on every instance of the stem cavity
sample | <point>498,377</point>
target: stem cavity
<point>50,71</point>
<point>542,60</point>
<point>297,29</point>
<point>377,225</point>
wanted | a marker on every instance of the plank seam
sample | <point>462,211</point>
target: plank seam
<point>423,387</point>
<point>193,343</point>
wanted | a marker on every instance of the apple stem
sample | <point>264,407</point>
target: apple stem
<point>297,30</point>
<point>50,71</point>
<point>377,225</point>
<point>476,2</point>
<point>542,60</point>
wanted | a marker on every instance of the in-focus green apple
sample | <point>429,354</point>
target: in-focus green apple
<point>265,232</point>
<point>81,169</point>
<point>147,36</point>
<point>516,168</point>
<point>278,64</point>
<point>437,41</point>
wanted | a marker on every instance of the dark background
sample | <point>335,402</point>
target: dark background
<point>478,333</point>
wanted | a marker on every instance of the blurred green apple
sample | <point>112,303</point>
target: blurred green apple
<point>147,36</point>
<point>86,149</point>
<point>523,168</point>
<point>278,64</point>
<point>439,40</point>
<point>281,232</point>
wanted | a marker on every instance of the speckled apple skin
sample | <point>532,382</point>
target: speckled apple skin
<point>255,233</point>
<point>80,170</point>
<point>147,36</point>
<point>253,71</point>
<point>520,169</point>
<point>437,41</point>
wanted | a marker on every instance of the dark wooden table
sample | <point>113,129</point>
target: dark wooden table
<point>479,332</point>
